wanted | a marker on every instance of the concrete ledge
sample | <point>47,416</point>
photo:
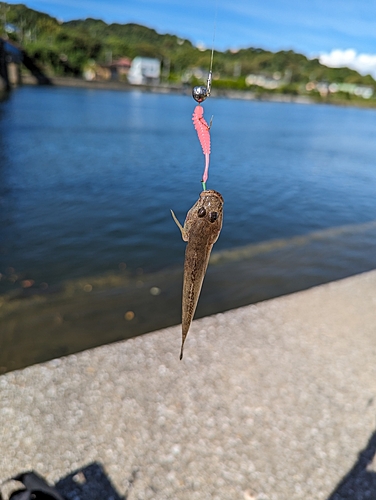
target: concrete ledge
<point>271,401</point>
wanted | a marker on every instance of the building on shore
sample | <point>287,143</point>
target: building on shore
<point>120,68</point>
<point>144,71</point>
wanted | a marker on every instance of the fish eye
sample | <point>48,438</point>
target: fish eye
<point>201,212</point>
<point>213,216</point>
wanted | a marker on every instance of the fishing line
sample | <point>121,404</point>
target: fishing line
<point>199,94</point>
<point>210,76</point>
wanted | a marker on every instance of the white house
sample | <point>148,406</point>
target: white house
<point>144,70</point>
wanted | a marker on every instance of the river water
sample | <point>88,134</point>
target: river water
<point>88,178</point>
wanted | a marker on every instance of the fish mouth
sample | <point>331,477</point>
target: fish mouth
<point>212,192</point>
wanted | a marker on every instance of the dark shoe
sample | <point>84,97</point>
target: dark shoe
<point>29,486</point>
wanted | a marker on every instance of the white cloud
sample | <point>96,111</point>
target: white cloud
<point>363,63</point>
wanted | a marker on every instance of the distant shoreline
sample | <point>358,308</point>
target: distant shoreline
<point>246,95</point>
<point>167,89</point>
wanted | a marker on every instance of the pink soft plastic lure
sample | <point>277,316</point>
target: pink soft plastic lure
<point>202,129</point>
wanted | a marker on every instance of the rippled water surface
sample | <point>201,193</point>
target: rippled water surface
<point>88,177</point>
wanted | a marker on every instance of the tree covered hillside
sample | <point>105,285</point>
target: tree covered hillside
<point>64,48</point>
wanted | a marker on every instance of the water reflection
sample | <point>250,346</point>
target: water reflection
<point>88,178</point>
<point>95,310</point>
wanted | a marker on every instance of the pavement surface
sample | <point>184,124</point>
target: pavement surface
<point>272,401</point>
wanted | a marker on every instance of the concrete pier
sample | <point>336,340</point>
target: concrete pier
<point>272,401</point>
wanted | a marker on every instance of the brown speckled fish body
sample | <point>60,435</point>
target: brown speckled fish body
<point>201,230</point>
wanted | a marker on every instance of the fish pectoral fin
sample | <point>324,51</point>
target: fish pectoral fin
<point>183,231</point>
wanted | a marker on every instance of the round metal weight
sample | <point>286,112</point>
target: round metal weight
<point>199,93</point>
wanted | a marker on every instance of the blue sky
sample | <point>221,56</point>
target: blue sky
<point>341,30</point>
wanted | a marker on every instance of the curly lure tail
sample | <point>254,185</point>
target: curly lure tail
<point>202,129</point>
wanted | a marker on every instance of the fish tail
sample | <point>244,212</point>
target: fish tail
<point>183,337</point>
<point>194,273</point>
